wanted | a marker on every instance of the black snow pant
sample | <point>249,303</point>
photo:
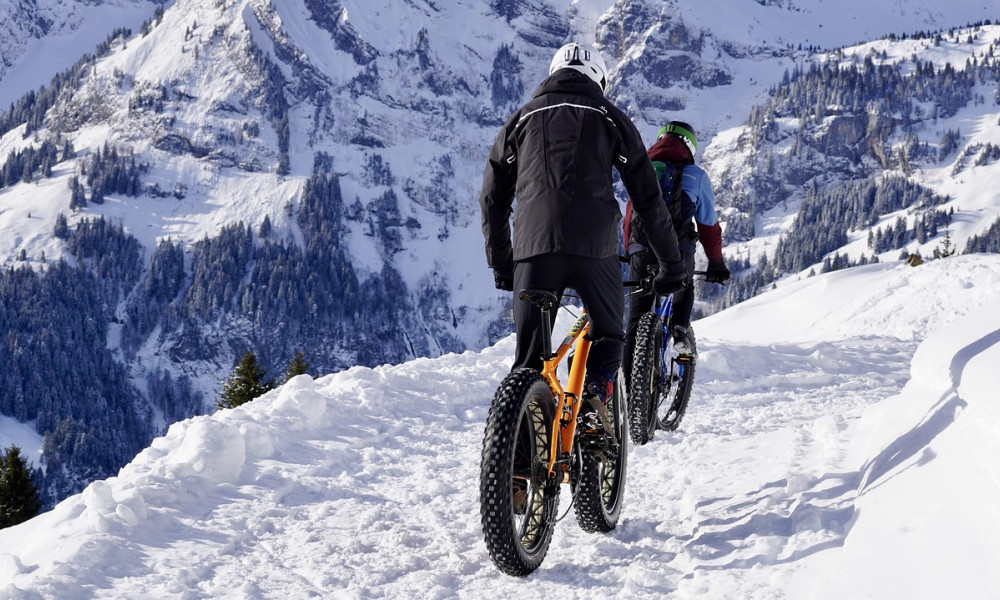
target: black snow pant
<point>598,281</point>
<point>640,304</point>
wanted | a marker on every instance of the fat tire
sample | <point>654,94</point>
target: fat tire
<point>516,443</point>
<point>645,385</point>
<point>600,482</point>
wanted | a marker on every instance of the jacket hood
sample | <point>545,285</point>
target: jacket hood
<point>670,149</point>
<point>568,81</point>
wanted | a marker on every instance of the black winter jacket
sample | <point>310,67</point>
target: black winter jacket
<point>555,155</point>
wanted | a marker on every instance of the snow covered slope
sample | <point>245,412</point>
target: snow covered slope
<point>926,497</point>
<point>42,37</point>
<point>835,447</point>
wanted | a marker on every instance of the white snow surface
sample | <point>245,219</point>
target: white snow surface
<point>839,444</point>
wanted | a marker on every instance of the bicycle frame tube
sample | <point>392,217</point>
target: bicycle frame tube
<point>666,308</point>
<point>568,399</point>
<point>665,311</point>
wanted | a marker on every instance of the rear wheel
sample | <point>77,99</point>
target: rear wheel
<point>603,461</point>
<point>518,501</point>
<point>671,411</point>
<point>646,381</point>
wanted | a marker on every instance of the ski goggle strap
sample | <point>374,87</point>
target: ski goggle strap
<point>686,135</point>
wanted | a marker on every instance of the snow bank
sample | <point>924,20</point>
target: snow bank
<point>927,512</point>
<point>886,299</point>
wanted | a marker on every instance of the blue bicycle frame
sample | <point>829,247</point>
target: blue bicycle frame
<point>665,312</point>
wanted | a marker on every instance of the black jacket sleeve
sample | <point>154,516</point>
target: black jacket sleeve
<point>643,188</point>
<point>496,200</point>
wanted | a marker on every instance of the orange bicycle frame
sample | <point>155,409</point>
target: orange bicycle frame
<point>568,399</point>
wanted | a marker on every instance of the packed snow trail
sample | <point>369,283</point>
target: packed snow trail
<point>364,484</point>
<point>314,498</point>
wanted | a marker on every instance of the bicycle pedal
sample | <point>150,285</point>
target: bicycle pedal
<point>589,423</point>
<point>598,417</point>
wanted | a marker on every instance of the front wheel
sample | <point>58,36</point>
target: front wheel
<point>518,501</point>
<point>646,382</point>
<point>600,481</point>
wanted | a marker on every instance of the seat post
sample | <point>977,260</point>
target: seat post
<point>545,301</point>
<point>546,332</point>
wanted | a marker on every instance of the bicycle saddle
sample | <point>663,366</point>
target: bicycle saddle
<point>540,298</point>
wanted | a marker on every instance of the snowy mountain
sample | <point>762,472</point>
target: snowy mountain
<point>835,447</point>
<point>40,38</point>
<point>879,149</point>
<point>302,176</point>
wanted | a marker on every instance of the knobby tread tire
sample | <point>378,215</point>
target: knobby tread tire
<point>517,442</point>
<point>645,380</point>
<point>601,480</point>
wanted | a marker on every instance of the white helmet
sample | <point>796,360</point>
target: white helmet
<point>585,59</point>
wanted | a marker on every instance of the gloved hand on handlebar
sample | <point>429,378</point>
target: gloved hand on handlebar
<point>503,281</point>
<point>671,279</point>
<point>717,272</point>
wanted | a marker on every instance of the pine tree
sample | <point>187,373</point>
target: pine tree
<point>945,247</point>
<point>61,229</point>
<point>246,383</point>
<point>298,366</point>
<point>19,500</point>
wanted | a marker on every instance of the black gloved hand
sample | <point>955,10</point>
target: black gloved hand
<point>503,282</point>
<point>717,272</point>
<point>671,279</point>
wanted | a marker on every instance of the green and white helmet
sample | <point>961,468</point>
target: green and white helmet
<point>683,131</point>
<point>585,59</point>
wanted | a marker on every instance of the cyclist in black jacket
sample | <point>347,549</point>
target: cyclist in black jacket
<point>555,155</point>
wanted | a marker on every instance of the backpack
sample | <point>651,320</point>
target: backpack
<point>679,204</point>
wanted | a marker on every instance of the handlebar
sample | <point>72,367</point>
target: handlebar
<point>648,280</point>
<point>645,285</point>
